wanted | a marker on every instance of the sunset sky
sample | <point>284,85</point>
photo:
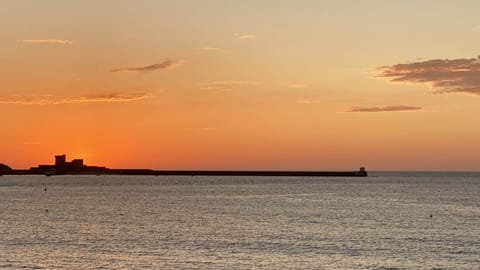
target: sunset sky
<point>271,84</point>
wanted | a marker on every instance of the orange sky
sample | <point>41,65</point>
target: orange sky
<point>292,85</point>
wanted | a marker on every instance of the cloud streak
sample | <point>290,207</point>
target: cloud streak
<point>110,97</point>
<point>234,83</point>
<point>226,86</point>
<point>305,101</point>
<point>209,49</point>
<point>443,75</point>
<point>216,88</point>
<point>47,41</point>
<point>245,36</point>
<point>298,85</point>
<point>397,108</point>
<point>167,64</point>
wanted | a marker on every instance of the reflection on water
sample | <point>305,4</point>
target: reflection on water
<point>379,222</point>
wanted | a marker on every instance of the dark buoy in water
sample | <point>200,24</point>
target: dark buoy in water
<point>45,189</point>
<point>431,215</point>
<point>46,210</point>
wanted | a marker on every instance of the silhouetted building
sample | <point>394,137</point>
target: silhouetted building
<point>60,160</point>
<point>61,166</point>
<point>76,164</point>
<point>4,169</point>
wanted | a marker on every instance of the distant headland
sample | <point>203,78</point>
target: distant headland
<point>77,167</point>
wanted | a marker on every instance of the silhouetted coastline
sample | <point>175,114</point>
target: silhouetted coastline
<point>77,167</point>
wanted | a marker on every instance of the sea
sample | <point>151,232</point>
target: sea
<point>387,221</point>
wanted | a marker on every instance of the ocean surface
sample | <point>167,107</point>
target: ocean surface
<point>386,221</point>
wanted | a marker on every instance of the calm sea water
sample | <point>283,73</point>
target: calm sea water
<point>164,222</point>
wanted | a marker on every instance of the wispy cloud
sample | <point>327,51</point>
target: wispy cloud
<point>476,28</point>
<point>298,85</point>
<point>167,64</point>
<point>234,83</point>
<point>397,108</point>
<point>31,143</point>
<point>443,75</point>
<point>226,86</point>
<point>47,41</point>
<point>49,100</point>
<point>210,49</point>
<point>216,88</point>
<point>245,36</point>
<point>114,97</point>
<point>305,101</point>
